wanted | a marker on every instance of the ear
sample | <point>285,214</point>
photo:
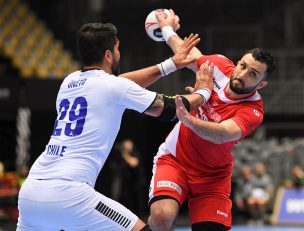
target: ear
<point>262,84</point>
<point>108,57</point>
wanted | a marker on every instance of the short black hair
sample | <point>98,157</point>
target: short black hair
<point>93,39</point>
<point>263,56</point>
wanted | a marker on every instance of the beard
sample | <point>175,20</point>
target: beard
<point>241,90</point>
<point>115,68</point>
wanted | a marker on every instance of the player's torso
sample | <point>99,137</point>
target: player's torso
<point>86,126</point>
<point>195,152</point>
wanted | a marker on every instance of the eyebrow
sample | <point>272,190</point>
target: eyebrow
<point>252,68</point>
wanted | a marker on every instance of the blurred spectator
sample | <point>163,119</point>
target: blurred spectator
<point>244,188</point>
<point>129,181</point>
<point>22,174</point>
<point>261,194</point>
<point>297,179</point>
<point>8,194</point>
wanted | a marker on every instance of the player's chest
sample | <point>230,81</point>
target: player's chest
<point>216,111</point>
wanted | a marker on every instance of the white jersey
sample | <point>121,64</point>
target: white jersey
<point>90,106</point>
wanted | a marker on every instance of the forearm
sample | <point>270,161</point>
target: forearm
<point>144,77</point>
<point>175,42</point>
<point>209,131</point>
<point>218,133</point>
<point>195,100</point>
<point>164,106</point>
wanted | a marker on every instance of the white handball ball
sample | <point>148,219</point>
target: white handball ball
<point>152,26</point>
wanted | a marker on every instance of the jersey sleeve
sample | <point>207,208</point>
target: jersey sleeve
<point>224,64</point>
<point>248,118</point>
<point>132,96</point>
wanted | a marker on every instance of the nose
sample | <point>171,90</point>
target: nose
<point>243,73</point>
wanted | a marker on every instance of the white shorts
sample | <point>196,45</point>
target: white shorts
<point>68,205</point>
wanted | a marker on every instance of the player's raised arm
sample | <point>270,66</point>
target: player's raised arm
<point>147,76</point>
<point>168,25</point>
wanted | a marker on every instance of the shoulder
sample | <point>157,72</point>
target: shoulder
<point>224,64</point>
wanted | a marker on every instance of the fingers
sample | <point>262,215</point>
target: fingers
<point>176,22</point>
<point>158,16</point>
<point>211,69</point>
<point>189,89</point>
<point>189,60</point>
<point>178,104</point>
<point>181,112</point>
<point>161,15</point>
<point>167,19</point>
<point>172,14</point>
<point>192,41</point>
<point>207,68</point>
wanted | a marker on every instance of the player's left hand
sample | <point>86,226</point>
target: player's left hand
<point>204,76</point>
<point>181,112</point>
<point>181,58</point>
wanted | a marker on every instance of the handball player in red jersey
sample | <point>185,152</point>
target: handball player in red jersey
<point>195,161</point>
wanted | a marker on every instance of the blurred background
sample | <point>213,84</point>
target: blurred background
<point>38,49</point>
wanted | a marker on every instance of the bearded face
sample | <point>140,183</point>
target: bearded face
<point>247,76</point>
<point>115,68</point>
<point>238,86</point>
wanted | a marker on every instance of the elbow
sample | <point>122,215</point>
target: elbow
<point>226,137</point>
<point>219,140</point>
<point>222,138</point>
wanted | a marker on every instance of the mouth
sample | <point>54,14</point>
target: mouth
<point>238,83</point>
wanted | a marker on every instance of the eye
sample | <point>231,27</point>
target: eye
<point>242,66</point>
<point>253,74</point>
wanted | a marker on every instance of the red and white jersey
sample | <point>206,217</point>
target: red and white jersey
<point>198,154</point>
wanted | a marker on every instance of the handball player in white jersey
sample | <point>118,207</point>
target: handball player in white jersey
<point>59,191</point>
<point>195,161</point>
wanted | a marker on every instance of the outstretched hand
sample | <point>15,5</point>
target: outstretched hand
<point>181,58</point>
<point>181,112</point>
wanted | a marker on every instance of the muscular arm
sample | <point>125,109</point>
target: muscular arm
<point>143,77</point>
<point>158,105</point>
<point>147,76</point>
<point>217,133</point>
<point>175,41</point>
<point>165,107</point>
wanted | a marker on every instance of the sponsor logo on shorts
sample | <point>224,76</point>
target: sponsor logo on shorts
<point>169,184</point>
<point>219,212</point>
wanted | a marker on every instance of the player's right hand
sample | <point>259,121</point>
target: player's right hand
<point>172,20</point>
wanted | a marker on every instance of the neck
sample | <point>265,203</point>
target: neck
<point>97,67</point>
